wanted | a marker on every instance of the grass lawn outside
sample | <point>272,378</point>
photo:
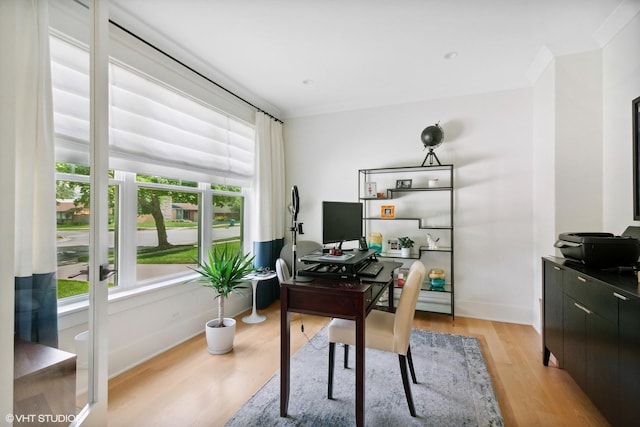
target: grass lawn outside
<point>174,255</point>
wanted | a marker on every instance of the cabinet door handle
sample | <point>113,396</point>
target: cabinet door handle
<point>586,310</point>
<point>582,279</point>
<point>556,267</point>
<point>622,297</point>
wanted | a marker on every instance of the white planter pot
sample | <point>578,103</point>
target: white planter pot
<point>405,252</point>
<point>220,340</point>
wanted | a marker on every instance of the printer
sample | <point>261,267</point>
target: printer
<point>601,250</point>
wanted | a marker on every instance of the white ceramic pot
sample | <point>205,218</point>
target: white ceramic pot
<point>220,340</point>
<point>405,252</point>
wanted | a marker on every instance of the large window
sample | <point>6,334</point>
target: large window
<point>168,217</point>
<point>72,229</point>
<point>228,212</point>
<point>168,227</point>
<point>179,165</point>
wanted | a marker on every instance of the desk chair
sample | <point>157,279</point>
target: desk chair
<point>414,266</point>
<point>282,270</point>
<point>303,247</point>
<point>385,331</point>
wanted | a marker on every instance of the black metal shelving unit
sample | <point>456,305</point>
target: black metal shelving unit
<point>417,221</point>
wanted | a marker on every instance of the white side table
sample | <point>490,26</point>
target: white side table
<point>254,317</point>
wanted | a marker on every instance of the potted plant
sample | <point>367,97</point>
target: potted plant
<point>405,246</point>
<point>224,271</point>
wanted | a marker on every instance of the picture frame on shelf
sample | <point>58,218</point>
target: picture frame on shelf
<point>387,211</point>
<point>403,184</point>
<point>370,190</point>
<point>393,246</point>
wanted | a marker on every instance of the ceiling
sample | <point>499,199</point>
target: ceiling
<point>303,57</point>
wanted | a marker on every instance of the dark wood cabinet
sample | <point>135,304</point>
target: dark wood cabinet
<point>591,338</point>
<point>629,357</point>
<point>574,341</point>
<point>553,309</point>
<point>591,324</point>
<point>602,363</point>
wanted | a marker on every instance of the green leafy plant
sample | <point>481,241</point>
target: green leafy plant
<point>224,271</point>
<point>405,242</point>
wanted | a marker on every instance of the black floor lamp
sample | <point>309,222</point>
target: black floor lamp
<point>295,228</point>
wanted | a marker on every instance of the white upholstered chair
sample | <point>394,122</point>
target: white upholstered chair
<point>385,331</point>
<point>282,270</point>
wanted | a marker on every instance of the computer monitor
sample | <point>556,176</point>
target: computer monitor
<point>341,222</point>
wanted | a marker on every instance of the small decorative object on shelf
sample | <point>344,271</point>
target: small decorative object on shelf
<point>405,246</point>
<point>433,182</point>
<point>393,246</point>
<point>436,279</point>
<point>432,137</point>
<point>387,211</point>
<point>375,242</point>
<point>402,276</point>
<point>370,190</point>
<point>431,242</point>
<point>403,183</point>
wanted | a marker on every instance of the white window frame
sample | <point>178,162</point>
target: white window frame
<point>125,248</point>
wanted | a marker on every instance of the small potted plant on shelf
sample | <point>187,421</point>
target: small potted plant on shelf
<point>405,246</point>
<point>224,272</point>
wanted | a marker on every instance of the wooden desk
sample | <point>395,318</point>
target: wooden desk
<point>349,299</point>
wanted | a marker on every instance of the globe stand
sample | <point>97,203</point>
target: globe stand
<point>431,155</point>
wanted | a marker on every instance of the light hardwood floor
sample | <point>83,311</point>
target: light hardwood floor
<point>186,386</point>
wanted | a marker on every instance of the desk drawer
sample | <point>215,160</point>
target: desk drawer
<point>324,302</point>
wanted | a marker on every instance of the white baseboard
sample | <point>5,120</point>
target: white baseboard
<point>494,312</point>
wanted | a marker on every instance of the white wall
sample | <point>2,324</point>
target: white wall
<point>621,84</point>
<point>578,142</point>
<point>147,323</point>
<point>567,161</point>
<point>544,194</point>
<point>488,138</point>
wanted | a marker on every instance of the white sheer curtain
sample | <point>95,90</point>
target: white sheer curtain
<point>269,215</point>
<point>36,313</point>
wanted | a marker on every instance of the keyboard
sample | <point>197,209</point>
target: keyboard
<point>370,269</point>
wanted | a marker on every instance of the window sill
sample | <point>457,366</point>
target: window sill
<point>127,298</point>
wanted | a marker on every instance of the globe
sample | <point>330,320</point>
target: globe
<point>432,136</point>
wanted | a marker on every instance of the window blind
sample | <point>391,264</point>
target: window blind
<point>153,127</point>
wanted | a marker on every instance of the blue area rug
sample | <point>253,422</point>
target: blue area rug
<point>454,388</point>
